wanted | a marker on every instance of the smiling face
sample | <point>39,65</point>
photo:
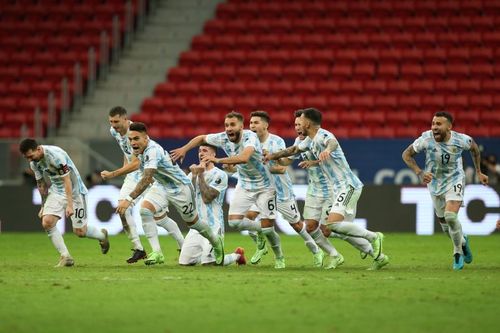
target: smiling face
<point>441,128</point>
<point>138,141</point>
<point>34,155</point>
<point>258,125</point>
<point>233,128</point>
<point>119,123</point>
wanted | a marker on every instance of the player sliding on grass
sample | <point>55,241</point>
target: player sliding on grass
<point>171,185</point>
<point>324,147</point>
<point>254,183</point>
<point>210,184</point>
<point>445,177</point>
<point>64,197</point>
<point>119,130</point>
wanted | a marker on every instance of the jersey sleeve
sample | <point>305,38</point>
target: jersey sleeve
<point>325,137</point>
<point>466,141</point>
<point>219,182</point>
<point>60,162</point>
<point>38,174</point>
<point>215,139</point>
<point>419,144</point>
<point>150,158</point>
<point>305,145</point>
<point>250,141</point>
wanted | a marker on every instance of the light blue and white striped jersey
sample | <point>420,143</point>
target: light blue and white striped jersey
<point>318,184</point>
<point>282,182</point>
<point>443,160</point>
<point>124,144</point>
<point>167,174</point>
<point>253,175</point>
<point>212,212</point>
<point>56,164</point>
<point>336,168</point>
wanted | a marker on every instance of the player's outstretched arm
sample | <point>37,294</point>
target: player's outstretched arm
<point>180,153</point>
<point>142,185</point>
<point>330,147</point>
<point>127,168</point>
<point>208,193</point>
<point>292,150</point>
<point>476,158</point>
<point>408,153</point>
<point>241,158</point>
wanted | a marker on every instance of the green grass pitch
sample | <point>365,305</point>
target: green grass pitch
<point>417,292</point>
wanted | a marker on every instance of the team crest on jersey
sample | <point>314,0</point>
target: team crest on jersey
<point>218,181</point>
<point>146,158</point>
<point>454,150</point>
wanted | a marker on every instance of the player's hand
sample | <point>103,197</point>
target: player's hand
<point>425,177</point>
<point>69,210</point>
<point>482,178</point>
<point>209,159</point>
<point>178,154</point>
<point>123,205</point>
<point>197,169</point>
<point>105,174</point>
<point>40,212</point>
<point>306,164</point>
<point>266,156</point>
<point>231,168</point>
<point>324,155</point>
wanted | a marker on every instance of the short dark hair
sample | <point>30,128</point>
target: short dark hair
<point>138,127</point>
<point>27,145</point>
<point>237,115</point>
<point>117,110</point>
<point>445,114</point>
<point>313,115</point>
<point>298,113</point>
<point>209,146</point>
<point>262,114</point>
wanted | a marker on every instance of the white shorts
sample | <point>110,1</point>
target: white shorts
<point>56,205</point>
<point>456,193</point>
<point>288,209</point>
<point>127,188</point>
<point>264,200</point>
<point>182,198</point>
<point>317,209</point>
<point>196,249</point>
<point>345,202</point>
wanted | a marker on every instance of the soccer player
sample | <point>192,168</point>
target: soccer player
<point>210,184</point>
<point>286,203</point>
<point>170,185</point>
<point>318,204</point>
<point>254,186</point>
<point>119,130</point>
<point>324,147</point>
<point>445,177</point>
<point>65,196</point>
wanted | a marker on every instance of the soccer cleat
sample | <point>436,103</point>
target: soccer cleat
<point>379,263</point>
<point>219,251</point>
<point>377,245</point>
<point>104,243</point>
<point>261,240</point>
<point>318,258</point>
<point>363,255</point>
<point>242,260</point>
<point>467,251</point>
<point>333,262</point>
<point>279,263</point>
<point>136,256</point>
<point>65,261</point>
<point>458,261</point>
<point>259,253</point>
<point>154,258</point>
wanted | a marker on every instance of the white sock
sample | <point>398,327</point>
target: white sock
<point>359,243</point>
<point>253,235</point>
<point>323,243</point>
<point>455,231</point>
<point>205,231</point>
<point>231,258</point>
<point>245,224</point>
<point>446,228</point>
<point>58,241</point>
<point>94,233</point>
<point>274,239</point>
<point>150,230</point>
<point>352,229</point>
<point>173,229</point>
<point>131,230</point>
<point>311,245</point>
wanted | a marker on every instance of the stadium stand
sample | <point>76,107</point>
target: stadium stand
<point>376,68</point>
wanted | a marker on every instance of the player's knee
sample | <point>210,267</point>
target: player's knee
<point>311,225</point>
<point>235,223</point>
<point>145,213</point>
<point>326,232</point>
<point>450,218</point>
<point>296,226</point>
